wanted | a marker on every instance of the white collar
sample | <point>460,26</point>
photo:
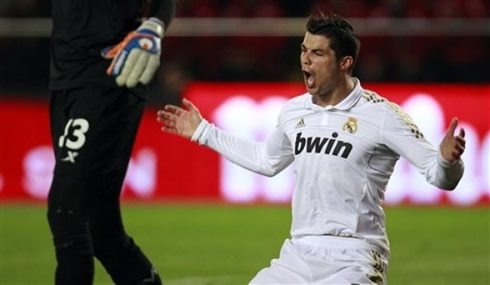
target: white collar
<point>343,105</point>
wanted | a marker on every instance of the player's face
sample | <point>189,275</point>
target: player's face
<point>319,65</point>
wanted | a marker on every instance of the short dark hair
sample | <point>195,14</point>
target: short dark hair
<point>343,40</point>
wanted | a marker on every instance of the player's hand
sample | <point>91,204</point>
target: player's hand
<point>452,147</point>
<point>137,57</point>
<point>177,120</point>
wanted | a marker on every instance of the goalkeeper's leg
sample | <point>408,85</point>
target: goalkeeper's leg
<point>68,224</point>
<point>117,252</point>
<point>68,199</point>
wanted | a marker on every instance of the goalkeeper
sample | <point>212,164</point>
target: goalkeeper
<point>103,53</point>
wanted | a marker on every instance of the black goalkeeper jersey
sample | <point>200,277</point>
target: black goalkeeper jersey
<point>81,29</point>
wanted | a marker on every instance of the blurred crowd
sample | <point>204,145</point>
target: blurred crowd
<point>277,8</point>
<point>347,8</point>
<point>25,61</point>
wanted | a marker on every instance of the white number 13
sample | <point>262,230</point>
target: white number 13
<point>79,130</point>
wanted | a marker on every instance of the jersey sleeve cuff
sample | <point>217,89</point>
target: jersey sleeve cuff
<point>154,25</point>
<point>201,133</point>
<point>443,162</point>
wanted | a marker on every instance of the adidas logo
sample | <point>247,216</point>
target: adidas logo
<point>300,124</point>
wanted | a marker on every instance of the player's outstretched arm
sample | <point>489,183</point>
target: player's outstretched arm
<point>267,158</point>
<point>452,147</point>
<point>442,166</point>
<point>180,121</point>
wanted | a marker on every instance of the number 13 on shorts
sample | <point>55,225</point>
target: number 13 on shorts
<point>73,137</point>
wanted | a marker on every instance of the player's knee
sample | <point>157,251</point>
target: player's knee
<point>70,234</point>
<point>76,243</point>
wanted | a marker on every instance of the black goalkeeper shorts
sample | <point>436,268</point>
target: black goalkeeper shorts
<point>93,130</point>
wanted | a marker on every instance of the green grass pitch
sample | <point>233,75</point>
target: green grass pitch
<point>219,244</point>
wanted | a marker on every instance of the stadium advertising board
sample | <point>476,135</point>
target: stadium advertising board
<point>168,168</point>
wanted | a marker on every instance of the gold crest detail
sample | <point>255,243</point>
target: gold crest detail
<point>350,126</point>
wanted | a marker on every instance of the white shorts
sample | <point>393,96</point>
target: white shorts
<point>326,260</point>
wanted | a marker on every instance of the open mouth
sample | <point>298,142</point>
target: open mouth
<point>309,78</point>
<point>306,74</point>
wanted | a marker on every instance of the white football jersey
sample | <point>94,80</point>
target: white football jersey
<point>344,156</point>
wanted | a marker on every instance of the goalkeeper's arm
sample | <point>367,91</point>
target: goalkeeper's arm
<point>163,10</point>
<point>136,59</point>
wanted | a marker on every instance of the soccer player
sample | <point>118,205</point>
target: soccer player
<point>103,53</point>
<point>345,141</point>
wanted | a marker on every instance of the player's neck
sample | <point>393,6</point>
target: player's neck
<point>343,87</point>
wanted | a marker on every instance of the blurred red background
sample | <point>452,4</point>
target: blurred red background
<point>168,168</point>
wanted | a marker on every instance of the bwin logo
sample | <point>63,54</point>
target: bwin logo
<point>316,145</point>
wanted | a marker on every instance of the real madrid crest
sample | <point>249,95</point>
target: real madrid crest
<point>350,126</point>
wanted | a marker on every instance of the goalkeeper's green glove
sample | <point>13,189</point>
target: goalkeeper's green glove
<point>137,57</point>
